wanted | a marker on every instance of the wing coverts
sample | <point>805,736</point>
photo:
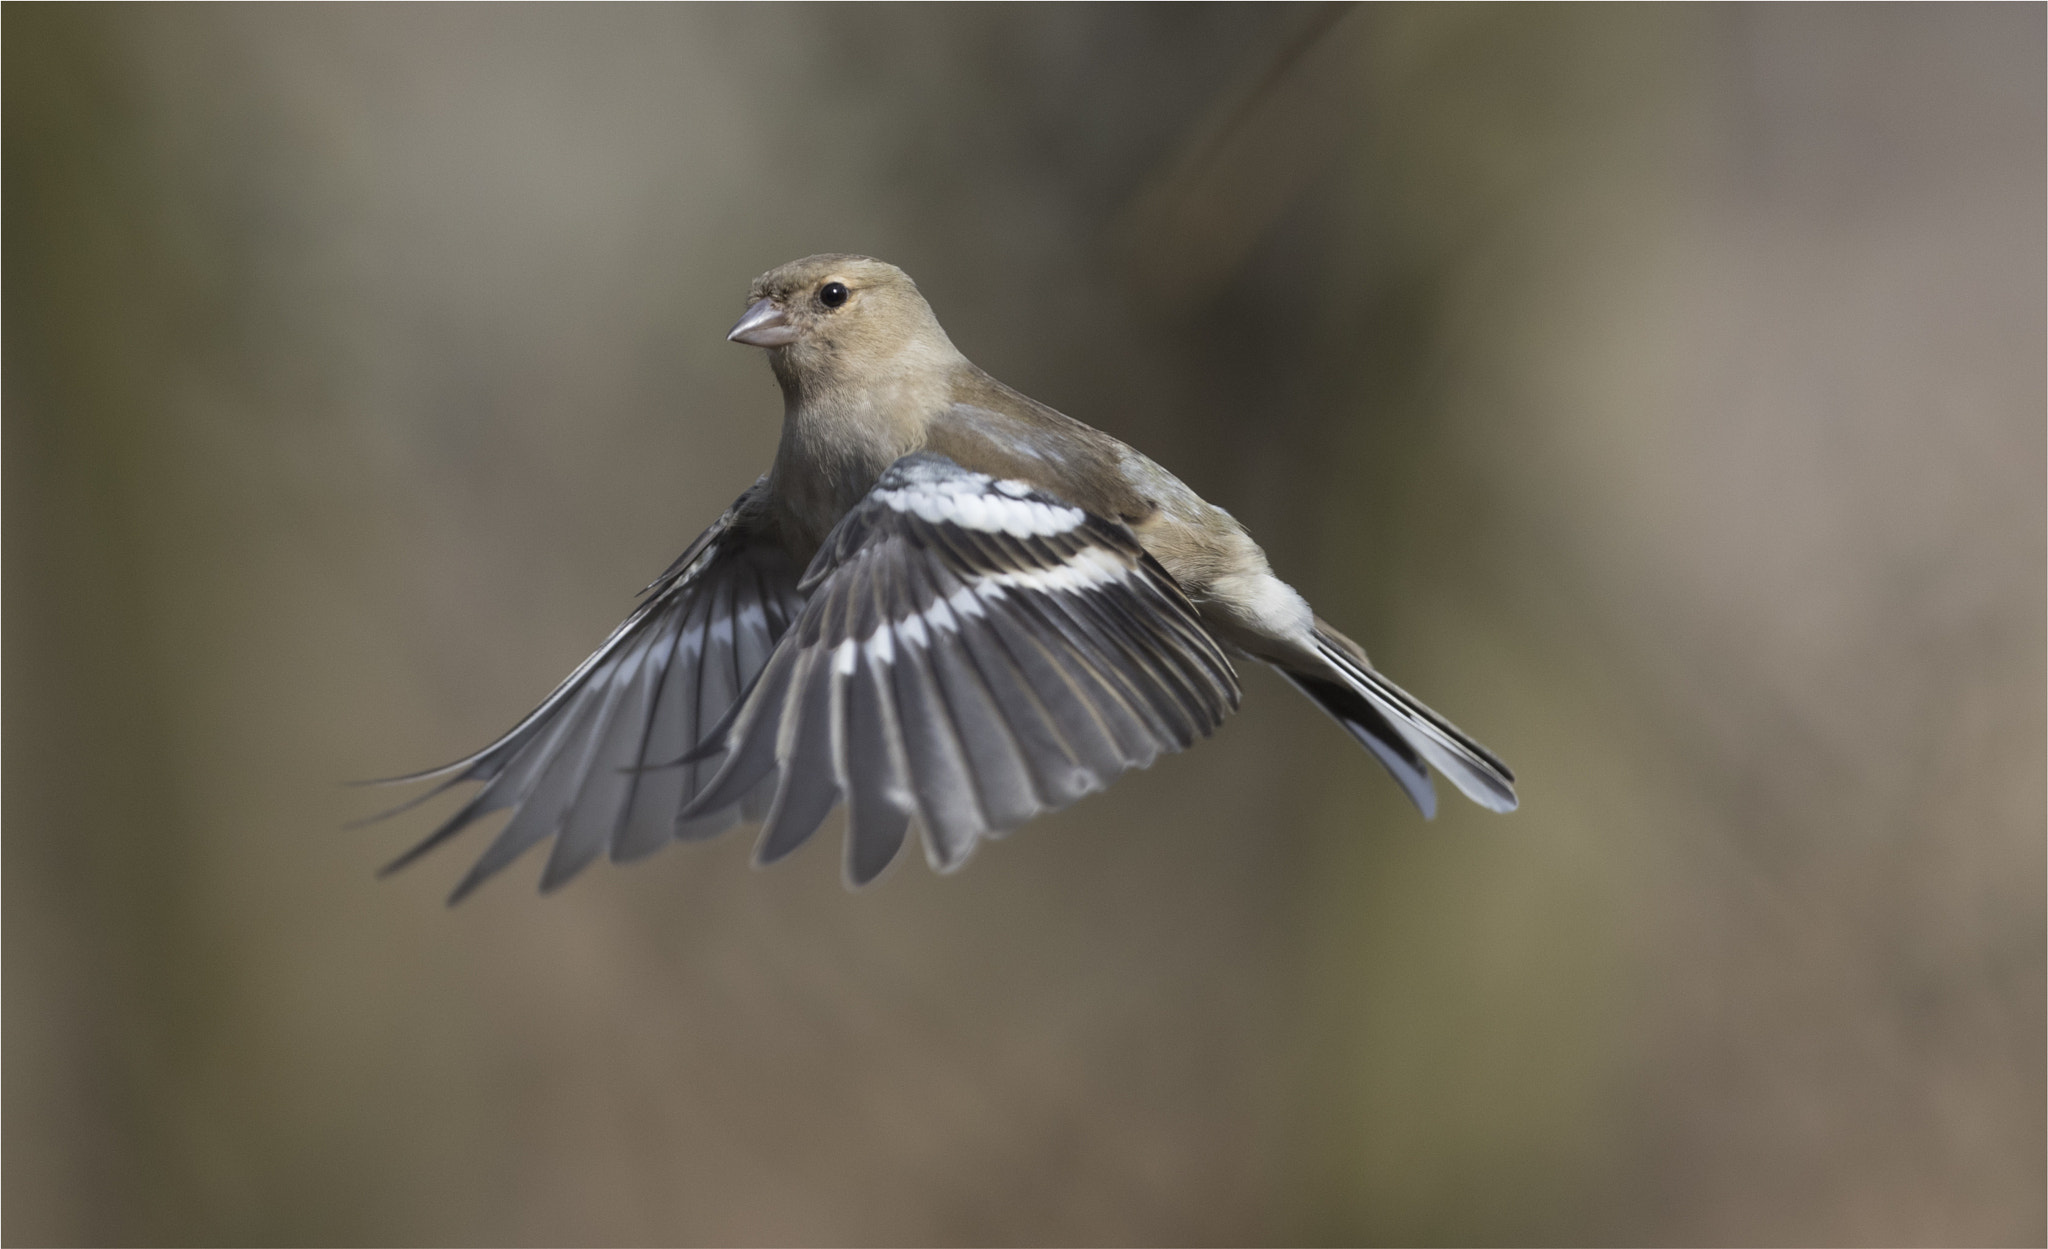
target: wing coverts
<point>972,653</point>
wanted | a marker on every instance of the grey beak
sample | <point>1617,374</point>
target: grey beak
<point>765,325</point>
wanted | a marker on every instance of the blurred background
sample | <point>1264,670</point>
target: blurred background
<point>1659,392</point>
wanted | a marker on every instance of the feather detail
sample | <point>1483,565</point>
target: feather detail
<point>1403,733</point>
<point>584,766</point>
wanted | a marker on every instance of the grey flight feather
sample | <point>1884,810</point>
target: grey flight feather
<point>585,766</point>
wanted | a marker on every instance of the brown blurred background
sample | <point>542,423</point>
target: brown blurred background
<point>1657,391</point>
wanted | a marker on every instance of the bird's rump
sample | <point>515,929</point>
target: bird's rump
<point>972,652</point>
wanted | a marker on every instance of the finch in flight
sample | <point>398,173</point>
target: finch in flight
<point>945,603</point>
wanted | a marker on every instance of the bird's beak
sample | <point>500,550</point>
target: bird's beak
<point>765,325</point>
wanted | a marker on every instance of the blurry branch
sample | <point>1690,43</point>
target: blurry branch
<point>1197,218</point>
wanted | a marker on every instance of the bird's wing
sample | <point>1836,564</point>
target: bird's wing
<point>971,652</point>
<point>595,765</point>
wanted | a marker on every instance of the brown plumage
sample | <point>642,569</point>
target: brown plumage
<point>945,602</point>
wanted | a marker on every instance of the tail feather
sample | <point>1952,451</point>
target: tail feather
<point>1348,708</point>
<point>1401,732</point>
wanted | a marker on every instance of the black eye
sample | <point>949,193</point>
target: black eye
<point>832,294</point>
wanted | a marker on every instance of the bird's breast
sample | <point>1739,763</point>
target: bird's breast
<point>829,458</point>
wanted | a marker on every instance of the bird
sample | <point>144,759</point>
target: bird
<point>944,605</point>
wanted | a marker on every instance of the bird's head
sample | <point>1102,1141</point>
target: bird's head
<point>834,319</point>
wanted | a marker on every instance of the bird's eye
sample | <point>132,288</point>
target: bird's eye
<point>832,294</point>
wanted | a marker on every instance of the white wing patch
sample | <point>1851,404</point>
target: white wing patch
<point>1090,568</point>
<point>977,501</point>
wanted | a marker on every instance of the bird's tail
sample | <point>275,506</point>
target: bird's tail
<point>1403,734</point>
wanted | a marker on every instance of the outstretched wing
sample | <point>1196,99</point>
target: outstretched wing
<point>971,652</point>
<point>587,766</point>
